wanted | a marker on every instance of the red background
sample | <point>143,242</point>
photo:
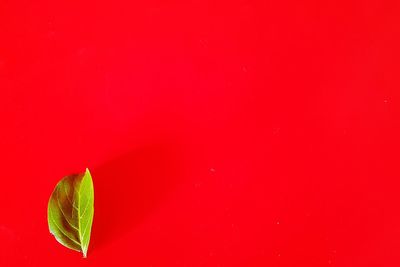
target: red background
<point>218,133</point>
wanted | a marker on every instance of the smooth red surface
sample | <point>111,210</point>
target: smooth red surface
<point>219,133</point>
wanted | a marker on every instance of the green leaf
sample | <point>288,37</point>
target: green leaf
<point>70,211</point>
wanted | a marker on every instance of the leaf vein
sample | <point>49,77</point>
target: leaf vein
<point>59,206</point>
<point>62,231</point>
<point>84,211</point>
<point>84,230</point>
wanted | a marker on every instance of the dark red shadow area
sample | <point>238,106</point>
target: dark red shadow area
<point>130,187</point>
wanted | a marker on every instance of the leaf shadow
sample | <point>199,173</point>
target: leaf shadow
<point>130,187</point>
